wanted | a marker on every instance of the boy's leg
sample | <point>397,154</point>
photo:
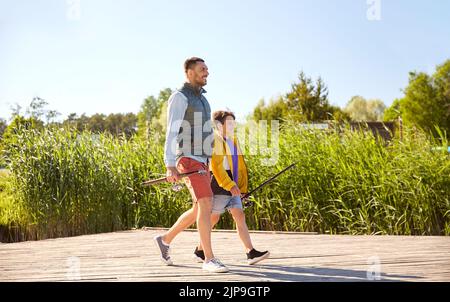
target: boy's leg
<point>253,256</point>
<point>242,229</point>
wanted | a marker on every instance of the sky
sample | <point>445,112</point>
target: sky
<point>99,56</point>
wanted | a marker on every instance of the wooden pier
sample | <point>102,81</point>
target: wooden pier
<point>132,256</point>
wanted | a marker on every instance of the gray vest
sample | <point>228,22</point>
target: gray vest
<point>195,137</point>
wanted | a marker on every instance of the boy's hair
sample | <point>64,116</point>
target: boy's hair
<point>221,115</point>
<point>189,63</point>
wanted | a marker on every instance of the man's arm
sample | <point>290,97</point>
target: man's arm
<point>176,109</point>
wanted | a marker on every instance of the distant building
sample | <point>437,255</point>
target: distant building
<point>386,130</point>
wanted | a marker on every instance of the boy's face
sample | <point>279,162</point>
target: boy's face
<point>229,125</point>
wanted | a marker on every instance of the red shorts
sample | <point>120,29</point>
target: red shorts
<point>198,184</point>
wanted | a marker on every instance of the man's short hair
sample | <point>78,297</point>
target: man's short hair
<point>190,63</point>
<point>221,115</point>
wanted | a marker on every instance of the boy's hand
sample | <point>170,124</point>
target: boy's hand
<point>235,191</point>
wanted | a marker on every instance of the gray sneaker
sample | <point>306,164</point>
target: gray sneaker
<point>164,250</point>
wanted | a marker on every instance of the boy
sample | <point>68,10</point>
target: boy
<point>229,181</point>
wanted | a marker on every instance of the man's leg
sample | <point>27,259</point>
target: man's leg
<point>204,225</point>
<point>163,241</point>
<point>214,220</point>
<point>186,219</point>
<point>199,186</point>
<point>210,264</point>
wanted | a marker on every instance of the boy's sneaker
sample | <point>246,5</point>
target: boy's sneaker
<point>255,256</point>
<point>215,266</point>
<point>163,249</point>
<point>199,255</point>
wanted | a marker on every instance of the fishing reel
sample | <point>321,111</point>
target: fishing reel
<point>177,187</point>
<point>247,203</point>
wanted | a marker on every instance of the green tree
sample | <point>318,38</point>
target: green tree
<point>308,101</point>
<point>3,126</point>
<point>360,109</point>
<point>441,81</point>
<point>115,123</point>
<point>258,111</point>
<point>96,123</point>
<point>426,103</point>
<point>276,109</point>
<point>72,121</point>
<point>339,115</point>
<point>393,112</point>
<point>119,124</point>
<point>38,110</point>
<point>148,118</point>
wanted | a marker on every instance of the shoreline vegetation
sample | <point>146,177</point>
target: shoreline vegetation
<point>63,182</point>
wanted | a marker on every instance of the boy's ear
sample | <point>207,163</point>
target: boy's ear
<point>218,124</point>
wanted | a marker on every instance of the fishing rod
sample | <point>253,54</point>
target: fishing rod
<point>164,179</point>
<point>247,195</point>
<point>203,172</point>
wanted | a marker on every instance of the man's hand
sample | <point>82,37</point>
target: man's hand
<point>172,174</point>
<point>235,191</point>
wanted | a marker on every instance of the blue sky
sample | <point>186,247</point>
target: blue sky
<point>109,55</point>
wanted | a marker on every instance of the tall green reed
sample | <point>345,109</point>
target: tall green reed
<point>66,183</point>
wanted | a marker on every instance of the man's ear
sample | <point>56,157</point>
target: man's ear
<point>189,73</point>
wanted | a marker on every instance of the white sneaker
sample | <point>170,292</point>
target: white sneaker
<point>215,266</point>
<point>197,259</point>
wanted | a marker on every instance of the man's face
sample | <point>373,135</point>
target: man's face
<point>198,74</point>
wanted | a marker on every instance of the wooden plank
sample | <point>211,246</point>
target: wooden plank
<point>132,256</point>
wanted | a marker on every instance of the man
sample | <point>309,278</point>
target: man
<point>188,148</point>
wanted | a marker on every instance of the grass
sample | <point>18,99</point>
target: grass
<point>13,217</point>
<point>350,183</point>
<point>77,183</point>
<point>67,183</point>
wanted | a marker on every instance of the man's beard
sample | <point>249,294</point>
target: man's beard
<point>201,82</point>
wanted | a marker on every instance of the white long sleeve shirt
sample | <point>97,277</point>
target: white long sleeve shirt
<point>176,109</point>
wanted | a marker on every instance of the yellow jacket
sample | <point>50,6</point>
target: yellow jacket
<point>221,149</point>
